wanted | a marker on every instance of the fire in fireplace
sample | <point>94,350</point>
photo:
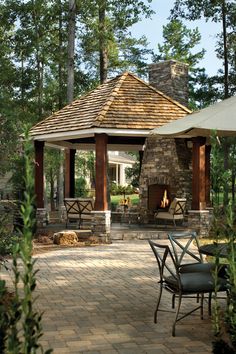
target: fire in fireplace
<point>165,201</point>
<point>158,196</point>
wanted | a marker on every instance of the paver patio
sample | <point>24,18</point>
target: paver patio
<point>101,300</point>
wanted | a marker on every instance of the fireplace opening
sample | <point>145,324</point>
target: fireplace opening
<point>158,197</point>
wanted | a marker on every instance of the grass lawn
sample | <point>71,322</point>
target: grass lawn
<point>115,199</point>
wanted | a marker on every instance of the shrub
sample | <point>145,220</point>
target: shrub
<point>81,187</point>
<point>8,238</point>
<point>117,189</point>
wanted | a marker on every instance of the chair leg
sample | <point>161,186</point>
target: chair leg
<point>209,304</point>
<point>177,315</point>
<point>173,301</point>
<point>158,303</point>
<point>174,223</point>
<point>201,304</point>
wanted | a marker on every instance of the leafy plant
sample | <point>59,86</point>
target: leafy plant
<point>8,238</point>
<point>226,228</point>
<point>81,187</point>
<point>20,325</point>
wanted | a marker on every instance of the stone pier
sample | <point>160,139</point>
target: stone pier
<point>101,225</point>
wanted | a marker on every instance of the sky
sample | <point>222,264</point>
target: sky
<point>152,29</point>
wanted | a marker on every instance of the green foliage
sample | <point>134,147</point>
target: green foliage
<point>223,224</point>
<point>85,166</point>
<point>133,173</point>
<point>223,84</point>
<point>116,189</point>
<point>123,51</point>
<point>81,189</point>
<point>20,327</point>
<point>8,238</point>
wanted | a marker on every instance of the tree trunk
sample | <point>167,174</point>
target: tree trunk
<point>60,80</point>
<point>71,51</point>
<point>226,63</point>
<point>52,191</point>
<point>102,42</point>
<point>226,167</point>
<point>22,81</point>
<point>233,185</point>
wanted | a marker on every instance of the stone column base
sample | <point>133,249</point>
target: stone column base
<point>200,221</point>
<point>41,217</point>
<point>101,225</point>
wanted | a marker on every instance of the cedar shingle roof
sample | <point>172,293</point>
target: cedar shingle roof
<point>125,102</point>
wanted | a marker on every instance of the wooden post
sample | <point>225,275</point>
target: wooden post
<point>70,173</point>
<point>101,172</point>
<point>39,180</point>
<point>208,175</point>
<point>199,174</point>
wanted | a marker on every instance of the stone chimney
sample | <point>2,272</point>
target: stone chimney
<point>171,78</point>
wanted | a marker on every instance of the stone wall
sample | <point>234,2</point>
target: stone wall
<point>166,161</point>
<point>171,78</point>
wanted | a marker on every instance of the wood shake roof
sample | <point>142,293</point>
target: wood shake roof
<point>125,102</point>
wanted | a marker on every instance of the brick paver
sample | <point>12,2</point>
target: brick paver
<point>101,300</point>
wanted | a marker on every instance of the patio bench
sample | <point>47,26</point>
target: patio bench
<point>78,209</point>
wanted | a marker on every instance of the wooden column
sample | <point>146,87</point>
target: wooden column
<point>208,175</point>
<point>70,173</point>
<point>39,180</point>
<point>101,172</point>
<point>199,174</point>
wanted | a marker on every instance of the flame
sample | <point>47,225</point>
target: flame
<point>165,201</point>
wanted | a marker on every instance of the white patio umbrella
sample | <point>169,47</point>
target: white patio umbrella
<point>221,117</point>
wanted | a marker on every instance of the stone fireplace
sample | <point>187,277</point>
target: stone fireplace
<point>167,163</point>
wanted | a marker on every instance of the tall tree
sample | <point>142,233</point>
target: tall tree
<point>71,50</point>
<point>218,11</point>
<point>105,36</point>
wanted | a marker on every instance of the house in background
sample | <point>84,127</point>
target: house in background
<point>117,163</point>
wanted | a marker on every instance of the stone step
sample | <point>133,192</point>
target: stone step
<point>138,235</point>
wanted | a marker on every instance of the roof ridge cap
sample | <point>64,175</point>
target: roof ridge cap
<point>110,99</point>
<point>161,93</point>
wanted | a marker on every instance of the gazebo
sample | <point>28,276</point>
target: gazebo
<point>117,115</point>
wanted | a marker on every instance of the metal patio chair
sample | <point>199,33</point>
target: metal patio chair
<point>187,260</point>
<point>181,284</point>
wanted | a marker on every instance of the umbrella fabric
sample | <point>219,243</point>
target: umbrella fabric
<point>221,117</point>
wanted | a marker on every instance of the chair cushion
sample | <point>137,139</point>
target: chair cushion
<point>164,215</point>
<point>197,282</point>
<point>196,267</point>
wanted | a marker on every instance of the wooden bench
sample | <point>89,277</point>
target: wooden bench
<point>78,209</point>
